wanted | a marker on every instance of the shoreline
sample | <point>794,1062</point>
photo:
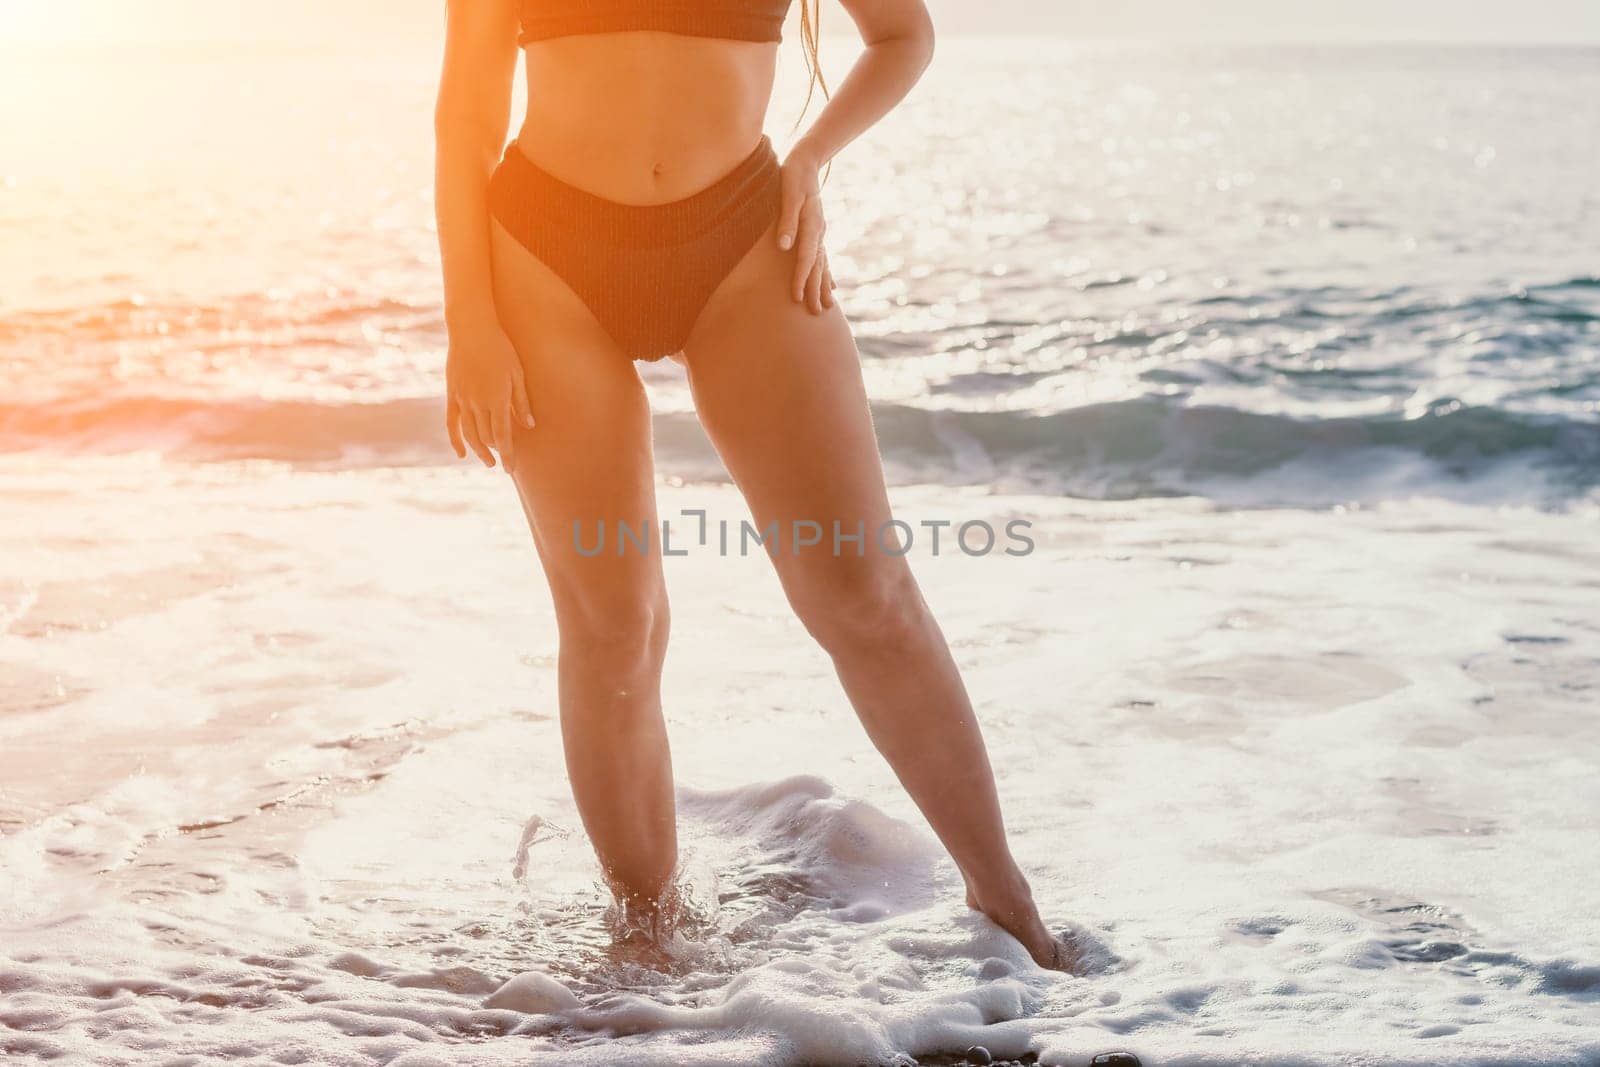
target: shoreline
<point>275,728</point>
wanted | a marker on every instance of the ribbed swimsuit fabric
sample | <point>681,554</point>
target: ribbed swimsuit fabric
<point>734,20</point>
<point>644,271</point>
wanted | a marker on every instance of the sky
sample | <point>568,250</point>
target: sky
<point>133,22</point>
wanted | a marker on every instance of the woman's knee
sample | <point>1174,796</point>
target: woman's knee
<point>862,610</point>
<point>620,632</point>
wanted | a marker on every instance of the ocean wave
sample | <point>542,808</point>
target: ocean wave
<point>1151,446</point>
<point>121,319</point>
<point>1159,447</point>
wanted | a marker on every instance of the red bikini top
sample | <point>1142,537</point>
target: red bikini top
<point>734,20</point>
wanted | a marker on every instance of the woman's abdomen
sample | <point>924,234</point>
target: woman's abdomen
<point>644,118</point>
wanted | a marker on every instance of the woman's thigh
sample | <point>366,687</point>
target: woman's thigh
<point>587,461</point>
<point>780,392</point>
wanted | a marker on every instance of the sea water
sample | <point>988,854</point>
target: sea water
<point>1290,359</point>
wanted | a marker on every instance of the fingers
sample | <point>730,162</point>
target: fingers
<point>485,431</point>
<point>476,427</point>
<point>808,249</point>
<point>789,214</point>
<point>486,395</point>
<point>500,424</point>
<point>519,398</point>
<point>452,415</point>
<point>828,284</point>
<point>814,285</point>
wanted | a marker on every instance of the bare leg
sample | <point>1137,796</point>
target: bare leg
<point>780,392</point>
<point>587,461</point>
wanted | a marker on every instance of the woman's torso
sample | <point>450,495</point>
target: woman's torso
<point>644,117</point>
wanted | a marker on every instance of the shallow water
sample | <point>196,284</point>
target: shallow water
<point>1288,356</point>
<point>267,767</point>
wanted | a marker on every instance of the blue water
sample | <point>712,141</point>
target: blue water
<point>1320,777</point>
<point>1290,275</point>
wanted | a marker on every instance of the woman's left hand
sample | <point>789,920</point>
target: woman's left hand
<point>801,226</point>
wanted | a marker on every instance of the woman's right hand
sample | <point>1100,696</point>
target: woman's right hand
<point>485,391</point>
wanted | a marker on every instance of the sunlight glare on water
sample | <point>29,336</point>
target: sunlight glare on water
<point>1318,245</point>
<point>1291,358</point>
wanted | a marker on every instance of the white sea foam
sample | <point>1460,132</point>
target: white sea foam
<point>1318,784</point>
<point>1306,760</point>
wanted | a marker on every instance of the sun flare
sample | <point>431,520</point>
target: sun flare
<point>28,24</point>
<point>24,22</point>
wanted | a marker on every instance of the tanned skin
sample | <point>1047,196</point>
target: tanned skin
<point>648,118</point>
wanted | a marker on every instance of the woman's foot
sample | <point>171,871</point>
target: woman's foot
<point>687,904</point>
<point>1010,906</point>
